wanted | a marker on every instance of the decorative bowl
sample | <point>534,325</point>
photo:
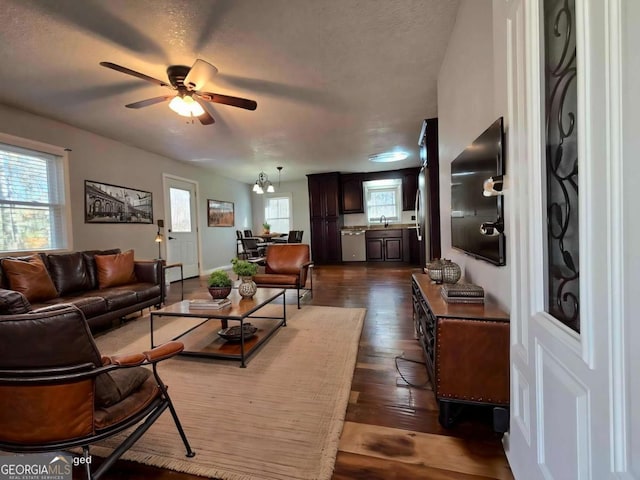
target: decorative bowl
<point>219,292</point>
<point>232,334</point>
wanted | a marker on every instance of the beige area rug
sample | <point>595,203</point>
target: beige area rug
<point>279,418</point>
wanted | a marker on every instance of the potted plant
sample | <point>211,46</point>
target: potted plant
<point>219,284</point>
<point>245,270</point>
<point>266,228</point>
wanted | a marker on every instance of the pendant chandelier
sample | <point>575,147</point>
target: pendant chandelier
<point>264,184</point>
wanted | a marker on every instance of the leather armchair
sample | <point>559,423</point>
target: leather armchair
<point>57,391</point>
<point>287,266</point>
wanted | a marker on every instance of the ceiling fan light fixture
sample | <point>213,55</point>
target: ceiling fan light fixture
<point>186,106</point>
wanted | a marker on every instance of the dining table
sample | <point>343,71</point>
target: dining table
<point>270,236</point>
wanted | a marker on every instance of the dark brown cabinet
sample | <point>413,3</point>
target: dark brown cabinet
<point>466,348</point>
<point>409,188</point>
<point>352,199</point>
<point>385,245</point>
<point>326,220</point>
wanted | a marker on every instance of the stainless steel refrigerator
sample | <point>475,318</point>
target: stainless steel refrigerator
<point>427,211</point>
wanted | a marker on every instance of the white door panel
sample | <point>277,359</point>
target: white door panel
<point>573,396</point>
<point>181,227</point>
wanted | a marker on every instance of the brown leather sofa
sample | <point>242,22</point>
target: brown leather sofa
<point>104,285</point>
<point>287,266</point>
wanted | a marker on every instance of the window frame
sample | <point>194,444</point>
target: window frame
<point>271,196</point>
<point>395,185</point>
<point>67,224</point>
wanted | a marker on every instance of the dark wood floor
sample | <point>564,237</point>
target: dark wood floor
<point>391,430</point>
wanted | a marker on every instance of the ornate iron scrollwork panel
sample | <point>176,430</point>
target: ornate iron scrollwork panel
<point>562,272</point>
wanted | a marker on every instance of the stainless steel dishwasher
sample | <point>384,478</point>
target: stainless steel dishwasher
<point>353,245</point>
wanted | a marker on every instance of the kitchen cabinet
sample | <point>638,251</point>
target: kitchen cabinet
<point>325,218</point>
<point>385,245</point>
<point>409,188</point>
<point>414,247</point>
<point>352,197</point>
<point>466,348</point>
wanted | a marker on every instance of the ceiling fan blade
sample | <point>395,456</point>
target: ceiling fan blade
<point>128,71</point>
<point>201,72</point>
<point>227,100</point>
<point>149,101</point>
<point>206,118</point>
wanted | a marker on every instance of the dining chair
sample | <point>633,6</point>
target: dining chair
<point>238,243</point>
<point>252,248</point>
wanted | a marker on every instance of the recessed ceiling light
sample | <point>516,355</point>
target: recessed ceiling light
<point>388,157</point>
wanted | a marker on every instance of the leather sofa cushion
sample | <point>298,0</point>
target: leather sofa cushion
<point>119,297</point>
<point>30,277</point>
<point>90,262</point>
<point>115,385</point>
<point>145,291</point>
<point>69,273</point>
<point>114,270</point>
<point>90,304</point>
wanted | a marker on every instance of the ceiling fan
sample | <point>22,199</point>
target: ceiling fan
<point>187,98</point>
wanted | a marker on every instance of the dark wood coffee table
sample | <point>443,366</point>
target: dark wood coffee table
<point>202,340</point>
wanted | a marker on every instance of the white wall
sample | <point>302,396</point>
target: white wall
<point>299,192</point>
<point>467,105</point>
<point>94,157</point>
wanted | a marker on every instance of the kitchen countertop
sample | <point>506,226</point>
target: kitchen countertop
<point>374,226</point>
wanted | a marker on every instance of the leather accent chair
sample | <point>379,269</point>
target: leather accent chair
<point>57,391</point>
<point>287,266</point>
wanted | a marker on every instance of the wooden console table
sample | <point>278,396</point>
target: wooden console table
<point>466,348</point>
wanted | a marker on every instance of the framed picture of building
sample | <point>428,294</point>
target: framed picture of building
<point>220,213</point>
<point>106,203</point>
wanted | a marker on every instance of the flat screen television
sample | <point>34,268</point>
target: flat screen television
<point>477,220</point>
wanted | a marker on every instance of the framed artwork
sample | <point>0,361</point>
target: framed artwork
<point>220,214</point>
<point>106,203</point>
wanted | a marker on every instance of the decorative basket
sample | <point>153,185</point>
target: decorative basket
<point>451,272</point>
<point>434,270</point>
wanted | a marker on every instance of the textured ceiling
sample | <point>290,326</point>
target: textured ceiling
<point>335,80</point>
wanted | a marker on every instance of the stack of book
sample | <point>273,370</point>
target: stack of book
<point>209,304</point>
<point>462,293</point>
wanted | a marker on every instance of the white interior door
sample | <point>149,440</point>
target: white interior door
<point>571,391</point>
<point>181,227</point>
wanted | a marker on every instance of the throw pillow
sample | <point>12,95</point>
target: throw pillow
<point>90,263</point>
<point>113,386</point>
<point>69,273</point>
<point>114,270</point>
<point>30,277</point>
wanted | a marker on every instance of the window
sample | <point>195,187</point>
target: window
<point>277,213</point>
<point>33,212</point>
<point>383,199</point>
<point>180,210</point>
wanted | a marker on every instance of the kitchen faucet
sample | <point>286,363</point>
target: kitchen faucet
<point>386,224</point>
